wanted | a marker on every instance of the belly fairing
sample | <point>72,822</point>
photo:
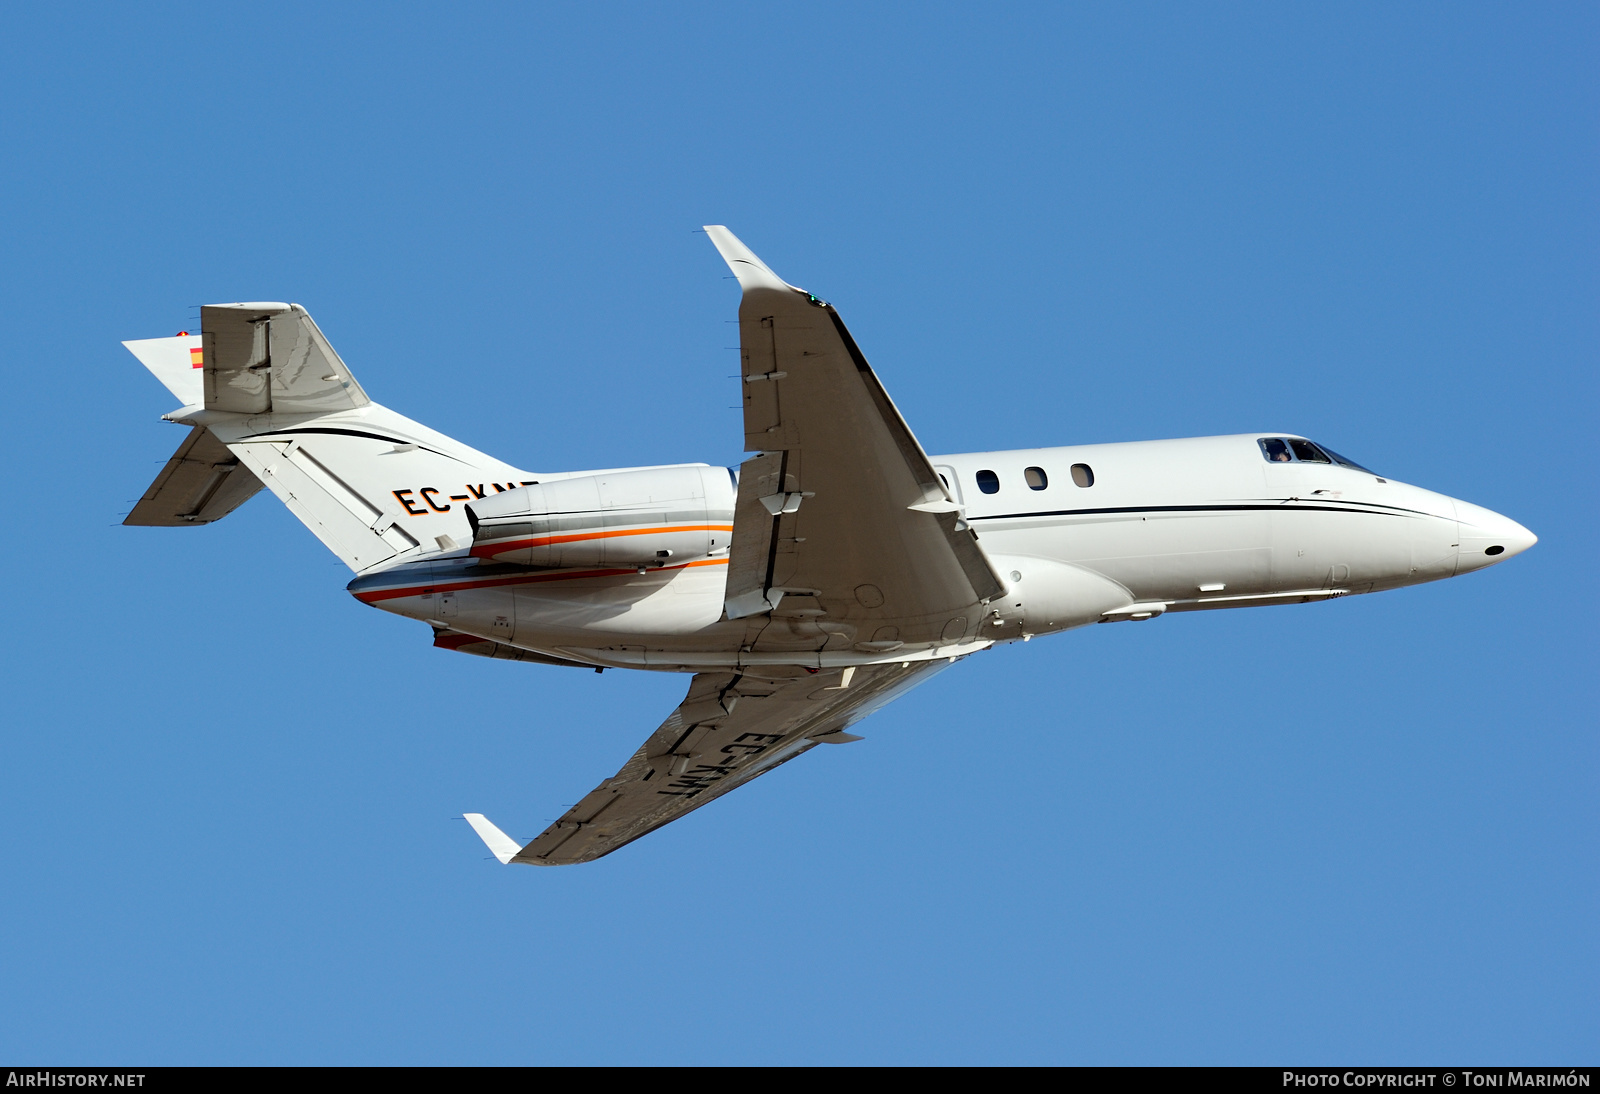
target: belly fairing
<point>1044,595</point>
<point>681,603</point>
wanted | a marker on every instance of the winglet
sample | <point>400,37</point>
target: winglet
<point>504,847</point>
<point>750,270</point>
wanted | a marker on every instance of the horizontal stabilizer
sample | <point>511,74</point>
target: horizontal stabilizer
<point>504,847</point>
<point>202,482</point>
<point>270,358</point>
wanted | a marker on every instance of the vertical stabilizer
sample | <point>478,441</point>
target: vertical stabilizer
<point>176,362</point>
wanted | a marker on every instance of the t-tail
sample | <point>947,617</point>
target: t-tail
<point>271,404</point>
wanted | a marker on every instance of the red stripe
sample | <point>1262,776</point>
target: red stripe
<point>489,550</point>
<point>375,595</point>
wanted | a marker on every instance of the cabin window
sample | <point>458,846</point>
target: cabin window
<point>1036,478</point>
<point>988,482</point>
<point>1306,452</point>
<point>945,481</point>
<point>1083,474</point>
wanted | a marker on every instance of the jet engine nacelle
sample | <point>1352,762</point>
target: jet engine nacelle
<point>660,516</point>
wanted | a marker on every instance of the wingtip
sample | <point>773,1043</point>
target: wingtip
<point>504,847</point>
<point>746,266</point>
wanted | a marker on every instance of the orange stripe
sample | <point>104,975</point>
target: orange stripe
<point>487,550</point>
<point>520,579</point>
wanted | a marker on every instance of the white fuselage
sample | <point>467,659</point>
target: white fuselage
<point>1175,525</point>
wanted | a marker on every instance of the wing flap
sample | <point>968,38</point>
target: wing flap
<point>750,555</point>
<point>730,729</point>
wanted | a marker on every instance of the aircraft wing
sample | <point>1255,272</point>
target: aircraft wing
<point>270,358</point>
<point>731,728</point>
<point>841,514</point>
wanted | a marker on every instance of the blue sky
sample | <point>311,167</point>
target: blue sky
<point>1356,831</point>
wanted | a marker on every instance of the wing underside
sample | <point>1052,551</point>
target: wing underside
<point>731,728</point>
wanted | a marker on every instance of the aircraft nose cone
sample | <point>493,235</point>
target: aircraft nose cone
<point>1487,537</point>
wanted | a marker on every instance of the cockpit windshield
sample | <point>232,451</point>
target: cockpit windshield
<point>1338,459</point>
<point>1306,452</point>
<point>1275,449</point>
<point>1295,450</point>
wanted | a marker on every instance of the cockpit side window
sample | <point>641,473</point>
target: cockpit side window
<point>1274,449</point>
<point>1306,452</point>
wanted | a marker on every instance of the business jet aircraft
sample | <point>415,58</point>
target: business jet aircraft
<point>829,573</point>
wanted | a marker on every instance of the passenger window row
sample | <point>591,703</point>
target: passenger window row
<point>1035,477</point>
